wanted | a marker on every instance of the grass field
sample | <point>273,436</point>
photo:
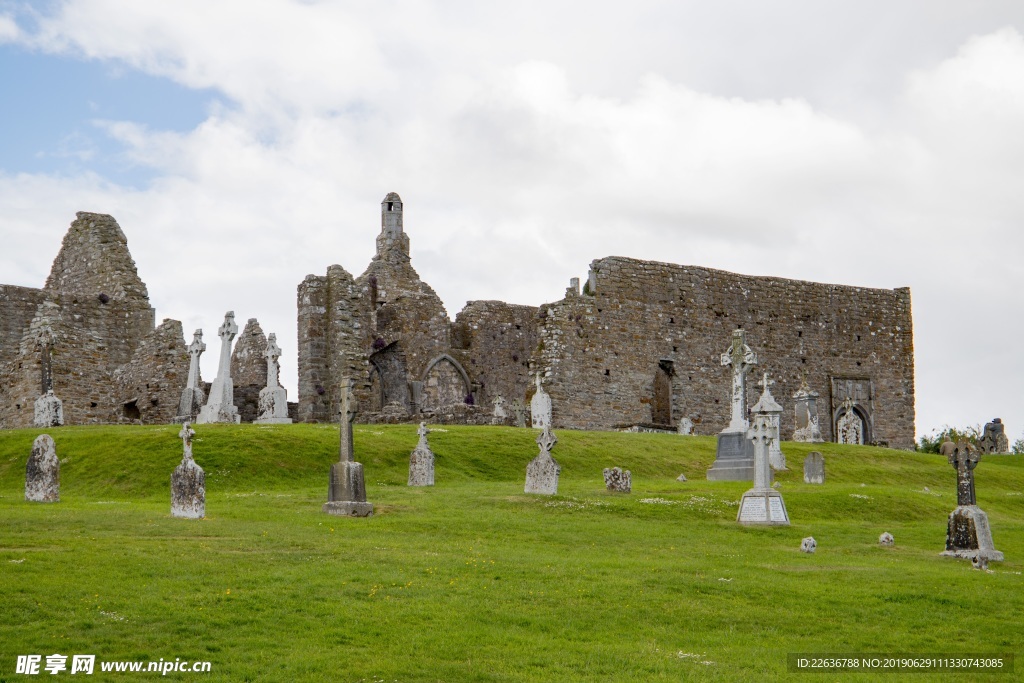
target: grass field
<point>473,580</point>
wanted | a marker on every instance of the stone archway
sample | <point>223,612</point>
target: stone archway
<point>389,363</point>
<point>851,426</point>
<point>444,383</point>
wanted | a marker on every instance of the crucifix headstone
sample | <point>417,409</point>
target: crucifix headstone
<point>42,472</point>
<point>421,462</point>
<point>762,505</point>
<point>192,396</point>
<point>734,455</point>
<point>769,405</point>
<point>220,407</point>
<point>188,481</point>
<point>273,403</point>
<point>346,493</point>
<point>968,534</point>
<point>542,472</point>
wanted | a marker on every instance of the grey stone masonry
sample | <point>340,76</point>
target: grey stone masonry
<point>968,534</point>
<point>42,472</point>
<point>814,468</point>
<point>542,472</point>
<point>421,461</point>
<point>617,479</point>
<point>346,493</point>
<point>273,398</point>
<point>220,406</point>
<point>188,481</point>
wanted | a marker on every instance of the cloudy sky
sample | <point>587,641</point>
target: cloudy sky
<point>243,145</point>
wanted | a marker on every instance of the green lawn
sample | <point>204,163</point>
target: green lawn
<point>473,580</point>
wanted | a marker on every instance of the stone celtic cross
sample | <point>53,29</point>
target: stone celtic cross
<point>195,350</point>
<point>349,408</point>
<point>965,458</point>
<point>186,435</point>
<point>546,440</point>
<point>741,358</point>
<point>422,431</point>
<point>272,353</point>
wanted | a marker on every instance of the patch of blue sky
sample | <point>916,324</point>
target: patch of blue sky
<point>50,106</point>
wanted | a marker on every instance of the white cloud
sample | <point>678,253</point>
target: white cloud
<point>9,31</point>
<point>515,176</point>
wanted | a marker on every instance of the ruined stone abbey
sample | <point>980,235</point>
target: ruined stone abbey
<point>638,344</point>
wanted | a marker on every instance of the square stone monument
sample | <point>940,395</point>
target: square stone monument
<point>734,457</point>
<point>346,493</point>
<point>542,472</point>
<point>42,472</point>
<point>421,462</point>
<point>618,479</point>
<point>968,534</point>
<point>188,481</point>
<point>762,505</point>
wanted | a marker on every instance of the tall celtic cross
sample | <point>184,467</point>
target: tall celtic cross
<point>272,353</point>
<point>349,408</point>
<point>965,458</point>
<point>195,350</point>
<point>741,358</point>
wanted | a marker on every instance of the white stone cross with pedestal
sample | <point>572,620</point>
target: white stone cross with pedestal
<point>273,397</point>
<point>770,406</point>
<point>734,458</point>
<point>221,405</point>
<point>346,492</point>
<point>192,396</point>
<point>762,505</point>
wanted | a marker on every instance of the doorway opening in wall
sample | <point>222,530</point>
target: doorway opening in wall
<point>661,402</point>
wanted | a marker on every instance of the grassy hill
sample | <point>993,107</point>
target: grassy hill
<point>473,580</point>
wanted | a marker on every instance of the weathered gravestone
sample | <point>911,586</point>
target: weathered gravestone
<point>542,472</point>
<point>540,407</point>
<point>617,479</point>
<point>774,411</point>
<point>805,405</point>
<point>188,481</point>
<point>762,504</point>
<point>421,462</point>
<point>808,545</point>
<point>346,493</point>
<point>192,396</point>
<point>968,534</point>
<point>519,410</point>
<point>734,456</point>
<point>42,472</point>
<point>886,540</point>
<point>814,468</point>
<point>500,411</point>
<point>993,438</point>
<point>220,406</point>
<point>685,427</point>
<point>273,398</point>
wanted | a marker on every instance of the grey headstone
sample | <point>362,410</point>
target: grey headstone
<point>685,427</point>
<point>681,477</point>
<point>617,479</point>
<point>48,411</point>
<point>421,462</point>
<point>42,472</point>
<point>542,472</point>
<point>519,410</point>
<point>808,545</point>
<point>994,438</point>
<point>188,482</point>
<point>540,407</point>
<point>814,468</point>
<point>886,539</point>
<point>734,456</point>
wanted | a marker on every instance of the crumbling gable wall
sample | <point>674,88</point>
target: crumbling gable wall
<point>149,386</point>
<point>494,341</point>
<point>249,369</point>
<point>18,305</point>
<point>644,333</point>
